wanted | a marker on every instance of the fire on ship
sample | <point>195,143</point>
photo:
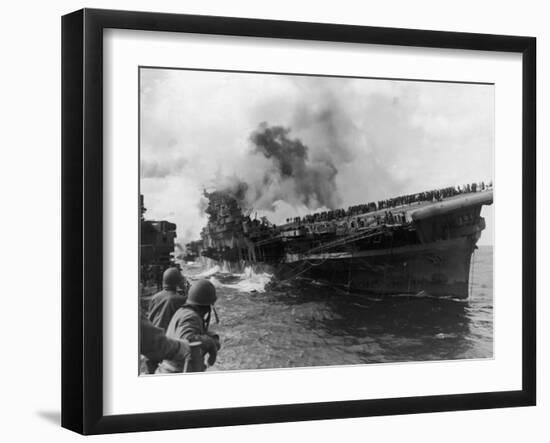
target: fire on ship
<point>415,244</point>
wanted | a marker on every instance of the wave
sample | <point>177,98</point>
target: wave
<point>246,281</point>
<point>251,281</point>
<point>216,282</point>
<point>209,272</point>
<point>442,336</point>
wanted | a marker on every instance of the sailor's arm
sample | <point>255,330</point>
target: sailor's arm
<point>191,329</point>
<point>156,346</point>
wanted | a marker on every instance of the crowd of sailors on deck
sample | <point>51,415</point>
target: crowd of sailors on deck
<point>430,196</point>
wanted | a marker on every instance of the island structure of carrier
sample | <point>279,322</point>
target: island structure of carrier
<point>414,244</point>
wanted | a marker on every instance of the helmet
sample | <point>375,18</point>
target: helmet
<point>202,293</point>
<point>172,278</point>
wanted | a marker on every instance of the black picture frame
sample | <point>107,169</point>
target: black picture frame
<point>82,218</point>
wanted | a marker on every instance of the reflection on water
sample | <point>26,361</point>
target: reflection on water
<point>266,324</point>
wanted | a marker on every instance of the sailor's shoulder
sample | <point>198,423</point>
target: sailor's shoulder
<point>185,313</point>
<point>158,295</point>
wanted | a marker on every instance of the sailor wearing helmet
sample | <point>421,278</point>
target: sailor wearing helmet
<point>165,303</point>
<point>191,323</point>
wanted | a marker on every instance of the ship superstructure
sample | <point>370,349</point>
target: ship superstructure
<point>156,248</point>
<point>404,245</point>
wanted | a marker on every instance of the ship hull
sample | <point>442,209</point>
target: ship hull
<point>439,269</point>
<point>423,247</point>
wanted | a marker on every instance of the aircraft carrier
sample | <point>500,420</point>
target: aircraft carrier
<point>413,244</point>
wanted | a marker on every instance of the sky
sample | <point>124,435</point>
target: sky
<point>293,145</point>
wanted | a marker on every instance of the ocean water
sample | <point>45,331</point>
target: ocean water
<point>265,324</point>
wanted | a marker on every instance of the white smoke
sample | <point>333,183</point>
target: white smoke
<point>366,140</point>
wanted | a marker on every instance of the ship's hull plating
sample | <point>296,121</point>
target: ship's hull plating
<point>424,247</point>
<point>439,269</point>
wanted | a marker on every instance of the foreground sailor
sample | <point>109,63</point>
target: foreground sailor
<point>165,303</point>
<point>155,346</point>
<point>191,323</point>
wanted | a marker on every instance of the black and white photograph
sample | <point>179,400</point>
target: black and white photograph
<point>266,222</point>
<point>292,221</point>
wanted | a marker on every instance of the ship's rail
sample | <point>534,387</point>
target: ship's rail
<point>352,238</point>
<point>266,241</point>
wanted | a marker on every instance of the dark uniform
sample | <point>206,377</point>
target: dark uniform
<point>163,305</point>
<point>190,323</point>
<point>154,345</point>
<point>187,324</point>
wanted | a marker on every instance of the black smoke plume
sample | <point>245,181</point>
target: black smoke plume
<point>289,174</point>
<point>273,142</point>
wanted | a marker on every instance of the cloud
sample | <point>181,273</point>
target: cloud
<point>338,141</point>
<point>156,169</point>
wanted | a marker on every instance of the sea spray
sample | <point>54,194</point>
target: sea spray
<point>209,272</point>
<point>242,276</point>
<point>247,281</point>
<point>251,281</point>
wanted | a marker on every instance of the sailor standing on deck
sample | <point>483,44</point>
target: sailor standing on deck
<point>165,303</point>
<point>155,346</point>
<point>191,323</point>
